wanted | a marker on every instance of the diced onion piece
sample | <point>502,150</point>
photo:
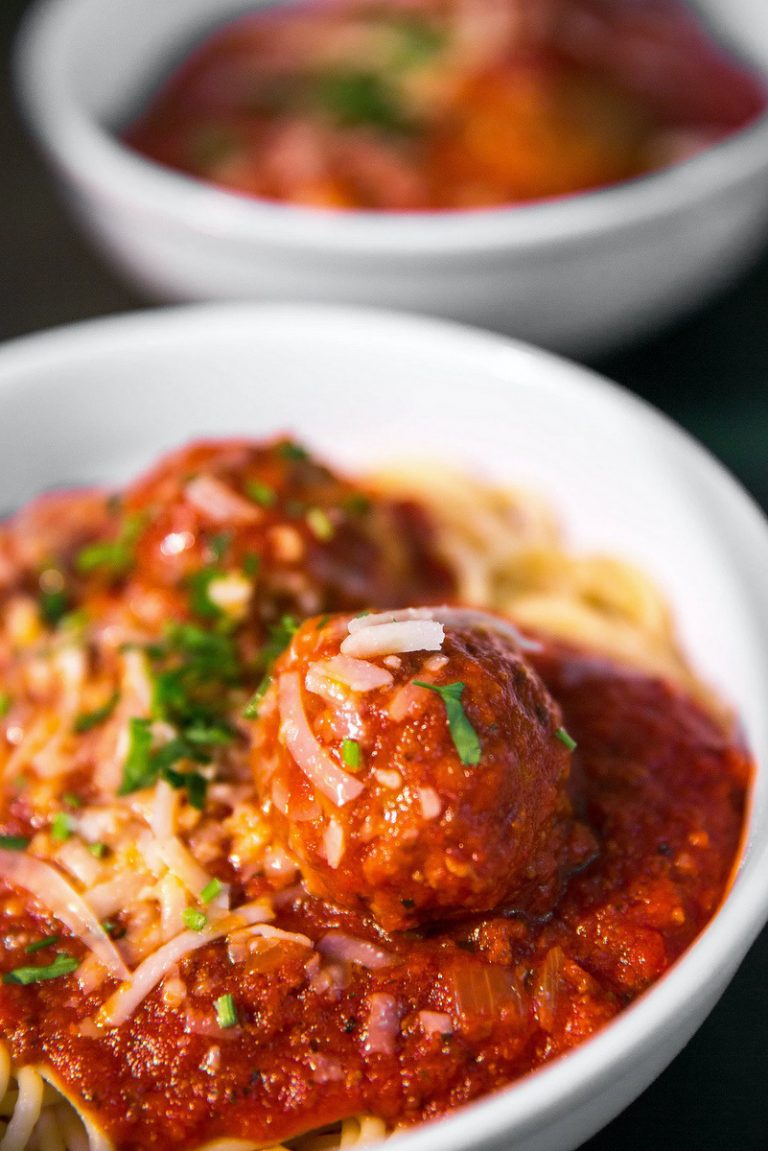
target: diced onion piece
<point>90,974</point>
<point>219,503</point>
<point>383,1023</point>
<point>431,805</point>
<point>435,1023</point>
<point>333,842</point>
<point>338,945</point>
<point>356,674</point>
<point>54,892</point>
<point>136,987</point>
<point>409,700</point>
<point>391,638</point>
<point>324,775</point>
<point>326,1069</point>
<point>484,991</point>
<point>231,594</point>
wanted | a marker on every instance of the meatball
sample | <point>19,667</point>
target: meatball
<point>416,767</point>
<point>306,539</point>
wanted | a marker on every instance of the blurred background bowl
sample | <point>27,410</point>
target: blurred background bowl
<point>581,274</point>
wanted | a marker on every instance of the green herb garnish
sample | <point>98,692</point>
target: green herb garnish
<point>288,450</point>
<point>320,524</point>
<point>14,842</point>
<point>138,771</point>
<point>5,704</point>
<point>357,504</point>
<point>211,890</point>
<point>360,99</point>
<point>565,738</point>
<point>41,944</point>
<point>194,919</point>
<point>226,1012</point>
<point>251,709</point>
<point>87,720</point>
<point>262,494</point>
<point>53,606</point>
<point>219,544</point>
<point>24,976</point>
<point>61,827</point>
<point>199,584</point>
<point>351,754</point>
<point>113,557</point>
<point>98,850</point>
<point>465,738</point>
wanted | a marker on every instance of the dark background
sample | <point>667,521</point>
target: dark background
<point>709,373</point>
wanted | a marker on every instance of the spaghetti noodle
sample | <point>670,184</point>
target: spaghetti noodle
<point>288,861</point>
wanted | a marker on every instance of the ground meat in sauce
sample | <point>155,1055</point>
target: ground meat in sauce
<point>430,837</point>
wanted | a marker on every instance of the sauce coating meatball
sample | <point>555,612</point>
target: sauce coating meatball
<point>417,768</point>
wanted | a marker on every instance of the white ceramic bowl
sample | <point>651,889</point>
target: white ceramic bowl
<point>99,401</point>
<point>579,274</point>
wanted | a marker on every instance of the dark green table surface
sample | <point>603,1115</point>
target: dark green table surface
<point>710,373</point>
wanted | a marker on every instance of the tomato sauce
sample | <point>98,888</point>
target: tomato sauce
<point>446,104</point>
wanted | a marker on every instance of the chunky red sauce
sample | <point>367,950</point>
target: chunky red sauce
<point>446,104</point>
<point>496,967</point>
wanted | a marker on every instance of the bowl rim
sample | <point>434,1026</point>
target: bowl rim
<point>80,145</point>
<point>577,1077</point>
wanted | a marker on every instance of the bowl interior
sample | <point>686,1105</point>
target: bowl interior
<point>99,401</point>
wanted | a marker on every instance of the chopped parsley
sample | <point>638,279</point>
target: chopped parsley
<point>24,976</point>
<point>465,738</point>
<point>14,842</point>
<point>53,606</point>
<point>351,754</point>
<point>5,704</point>
<point>220,544</point>
<point>226,1012</point>
<point>72,800</point>
<point>211,890</point>
<point>565,738</point>
<point>194,919</point>
<point>61,826</point>
<point>193,671</point>
<point>288,450</point>
<point>280,635</point>
<point>87,720</point>
<point>262,494</point>
<point>113,557</point>
<point>41,944</point>
<point>251,709</point>
<point>137,769</point>
<point>357,504</point>
<point>199,584</point>
<point>355,98</point>
<point>98,850</point>
<point>319,523</point>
